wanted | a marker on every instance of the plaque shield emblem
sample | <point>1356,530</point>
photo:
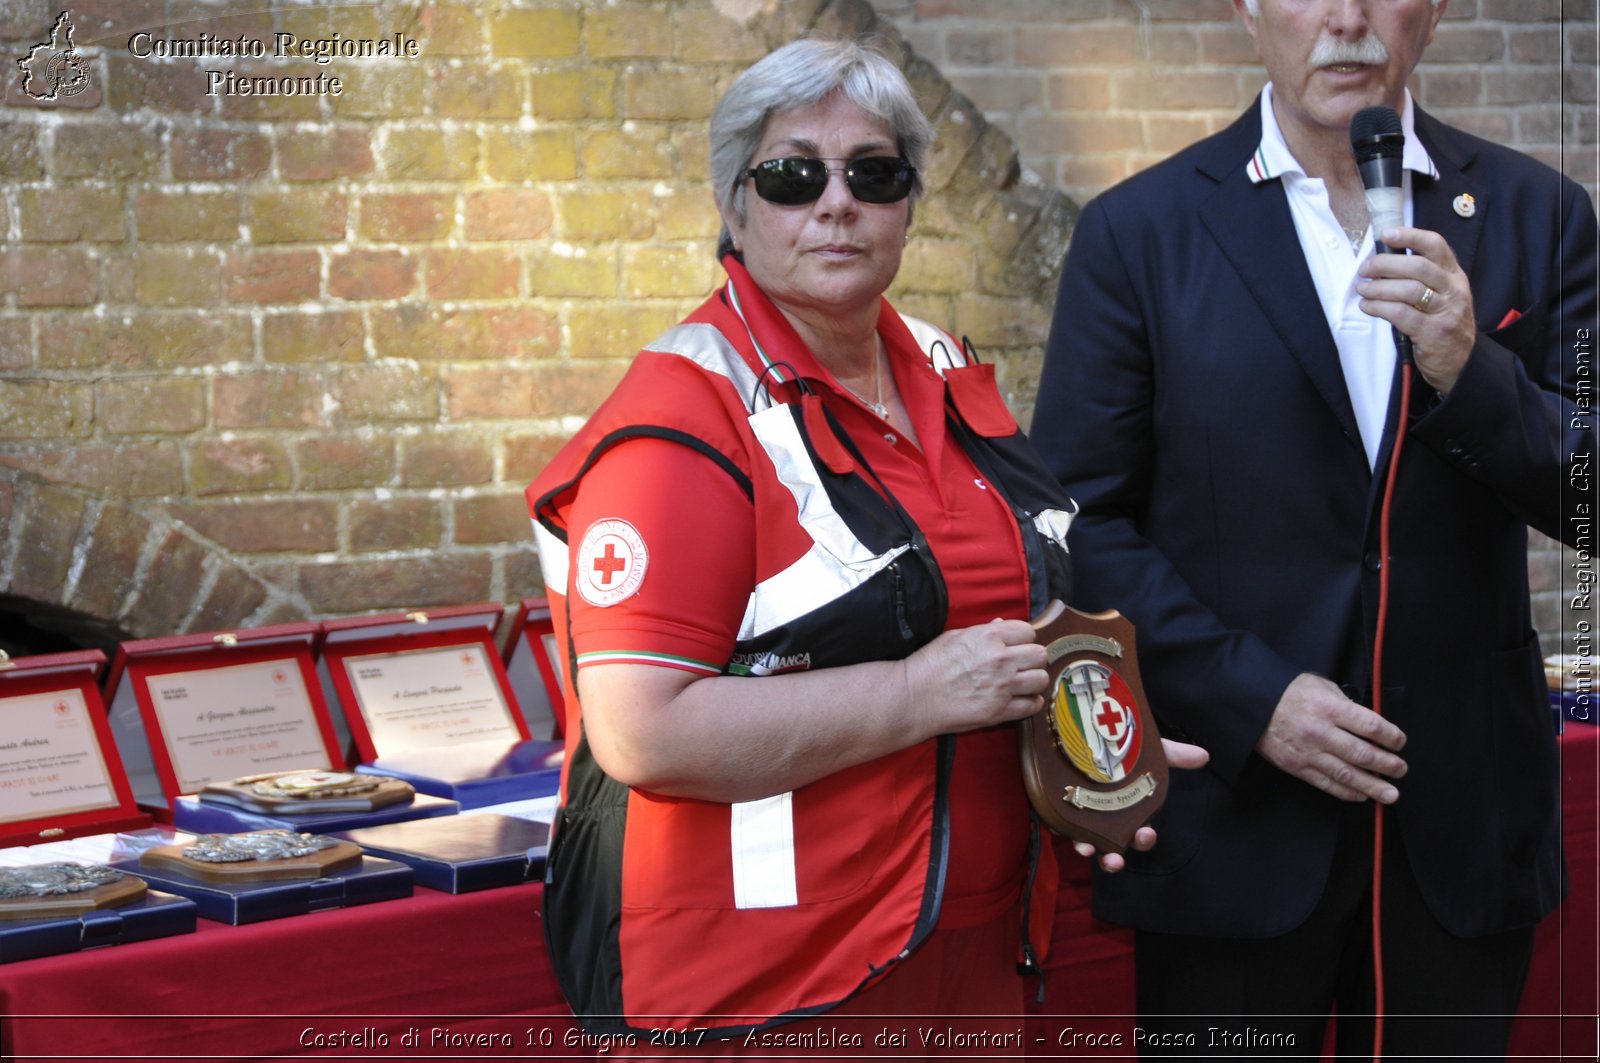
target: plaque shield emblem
<point>1092,761</point>
<point>1097,729</point>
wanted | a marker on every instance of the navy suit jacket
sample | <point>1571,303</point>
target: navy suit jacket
<point>1193,403</point>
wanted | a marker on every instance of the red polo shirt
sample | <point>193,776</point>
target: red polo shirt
<point>698,528</point>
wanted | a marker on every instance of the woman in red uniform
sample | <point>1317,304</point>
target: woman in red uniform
<point>792,558</point>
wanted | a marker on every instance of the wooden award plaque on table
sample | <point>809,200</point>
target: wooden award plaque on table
<point>305,792</point>
<point>53,891</point>
<point>1092,761</point>
<point>273,856</point>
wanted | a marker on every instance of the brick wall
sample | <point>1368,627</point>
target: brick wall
<point>1093,91</point>
<point>273,357</point>
<point>269,357</point>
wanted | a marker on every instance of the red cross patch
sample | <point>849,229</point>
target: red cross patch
<point>611,562</point>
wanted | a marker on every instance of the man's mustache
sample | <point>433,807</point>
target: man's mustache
<point>1330,51</point>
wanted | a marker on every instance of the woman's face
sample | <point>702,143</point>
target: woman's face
<point>837,255</point>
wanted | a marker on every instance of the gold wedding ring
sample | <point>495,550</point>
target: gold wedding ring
<point>1424,299</point>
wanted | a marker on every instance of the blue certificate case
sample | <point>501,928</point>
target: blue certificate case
<point>155,915</point>
<point>462,853</point>
<point>204,817</point>
<point>478,773</point>
<point>253,902</point>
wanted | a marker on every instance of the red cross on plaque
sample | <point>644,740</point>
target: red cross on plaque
<point>609,565</point>
<point>1110,717</point>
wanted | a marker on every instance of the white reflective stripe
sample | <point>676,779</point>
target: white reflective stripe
<point>837,563</point>
<point>813,581</point>
<point>762,837</point>
<point>708,348</point>
<point>1054,524</point>
<point>943,351</point>
<point>552,559</point>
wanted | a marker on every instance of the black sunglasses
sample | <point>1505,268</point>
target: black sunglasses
<point>800,179</point>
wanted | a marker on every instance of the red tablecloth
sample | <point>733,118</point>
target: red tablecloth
<point>422,977</point>
<point>1562,1001</point>
<point>340,981</point>
<point>1089,977</point>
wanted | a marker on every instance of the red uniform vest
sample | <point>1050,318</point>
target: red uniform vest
<point>662,911</point>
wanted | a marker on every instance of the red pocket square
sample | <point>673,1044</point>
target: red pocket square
<point>1511,315</point>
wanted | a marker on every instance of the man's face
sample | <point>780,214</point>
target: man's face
<point>1330,58</point>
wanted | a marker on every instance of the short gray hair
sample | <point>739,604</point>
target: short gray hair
<point>796,76</point>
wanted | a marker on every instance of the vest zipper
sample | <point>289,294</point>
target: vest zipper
<point>900,601</point>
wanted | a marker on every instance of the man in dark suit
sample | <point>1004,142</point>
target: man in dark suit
<point>1222,396</point>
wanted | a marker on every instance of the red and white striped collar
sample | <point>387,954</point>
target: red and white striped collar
<point>1273,159</point>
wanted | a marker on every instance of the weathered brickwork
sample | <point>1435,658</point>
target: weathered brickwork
<point>1093,91</point>
<point>265,357</point>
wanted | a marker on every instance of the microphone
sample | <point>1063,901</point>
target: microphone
<point>1379,143</point>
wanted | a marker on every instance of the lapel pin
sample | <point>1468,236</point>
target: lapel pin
<point>1465,205</point>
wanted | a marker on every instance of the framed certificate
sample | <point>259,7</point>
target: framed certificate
<point>533,666</point>
<point>208,708</point>
<point>60,775</point>
<point>422,680</point>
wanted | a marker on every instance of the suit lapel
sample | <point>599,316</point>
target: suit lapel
<point>1434,202</point>
<point>1253,227</point>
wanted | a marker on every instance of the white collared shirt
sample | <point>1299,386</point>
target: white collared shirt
<point>1365,344</point>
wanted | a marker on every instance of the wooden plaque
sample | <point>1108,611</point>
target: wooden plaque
<point>241,793</point>
<point>313,865</point>
<point>1091,758</point>
<point>125,890</point>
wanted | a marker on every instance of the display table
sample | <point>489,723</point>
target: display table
<point>446,969</point>
<point>467,965</point>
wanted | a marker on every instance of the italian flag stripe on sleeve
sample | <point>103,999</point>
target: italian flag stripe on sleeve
<point>666,660</point>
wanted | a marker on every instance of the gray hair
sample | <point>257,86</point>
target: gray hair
<point>796,76</point>
<point>1253,7</point>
